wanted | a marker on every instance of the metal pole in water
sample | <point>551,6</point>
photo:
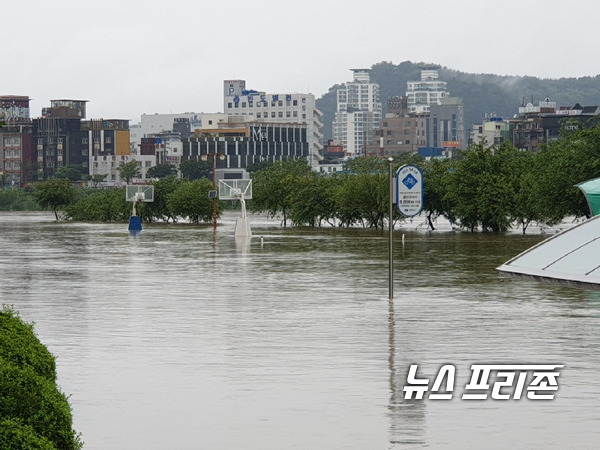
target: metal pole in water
<point>391,226</point>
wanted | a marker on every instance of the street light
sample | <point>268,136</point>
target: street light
<point>222,158</point>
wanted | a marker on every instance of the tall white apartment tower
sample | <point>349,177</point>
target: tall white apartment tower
<point>358,113</point>
<point>276,108</point>
<point>422,94</point>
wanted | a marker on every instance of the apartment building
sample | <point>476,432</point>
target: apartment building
<point>16,141</point>
<point>358,113</point>
<point>428,91</point>
<point>284,108</point>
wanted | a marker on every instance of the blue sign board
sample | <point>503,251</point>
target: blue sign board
<point>410,190</point>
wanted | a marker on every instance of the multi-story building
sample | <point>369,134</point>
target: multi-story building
<point>59,139</point>
<point>16,141</point>
<point>399,131</point>
<point>536,125</point>
<point>62,137</point>
<point>246,143</point>
<point>358,113</point>
<point>426,92</point>
<point>493,131</point>
<point>446,124</point>
<point>153,124</point>
<point>284,108</point>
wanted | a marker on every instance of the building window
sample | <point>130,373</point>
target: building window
<point>84,152</point>
<point>280,103</point>
<point>388,133</point>
<point>273,103</point>
<point>40,140</point>
<point>273,114</point>
<point>50,140</point>
<point>84,163</point>
<point>229,105</point>
<point>385,124</point>
<point>237,105</point>
<point>243,104</point>
<point>108,140</point>
<point>406,132</point>
<point>84,140</point>
<point>148,163</point>
<point>280,113</point>
<point>258,115</point>
<point>295,112</point>
<point>304,116</point>
<point>287,114</point>
<point>295,102</point>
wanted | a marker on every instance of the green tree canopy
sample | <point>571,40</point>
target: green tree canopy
<point>129,171</point>
<point>54,194</point>
<point>72,173</point>
<point>161,171</point>
<point>273,187</point>
<point>96,179</point>
<point>190,200</point>
<point>262,165</point>
<point>158,209</point>
<point>194,170</point>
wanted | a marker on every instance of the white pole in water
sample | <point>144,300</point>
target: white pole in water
<point>391,226</point>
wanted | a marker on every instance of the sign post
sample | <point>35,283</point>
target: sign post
<point>410,191</point>
<point>410,198</point>
<point>391,226</point>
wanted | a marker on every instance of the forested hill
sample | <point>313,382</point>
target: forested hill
<point>481,93</point>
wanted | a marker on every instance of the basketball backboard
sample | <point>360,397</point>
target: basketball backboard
<point>140,193</point>
<point>235,189</point>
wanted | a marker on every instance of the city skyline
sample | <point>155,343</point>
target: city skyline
<point>133,58</point>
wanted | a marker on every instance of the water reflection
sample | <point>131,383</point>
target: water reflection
<point>407,416</point>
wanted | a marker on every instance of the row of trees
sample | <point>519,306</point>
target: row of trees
<point>173,199</point>
<point>489,188</point>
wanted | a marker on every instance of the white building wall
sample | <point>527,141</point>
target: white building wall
<point>108,165</point>
<point>157,123</point>
<point>426,92</point>
<point>276,108</point>
<point>358,112</point>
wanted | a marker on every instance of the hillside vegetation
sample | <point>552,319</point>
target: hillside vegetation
<point>481,93</point>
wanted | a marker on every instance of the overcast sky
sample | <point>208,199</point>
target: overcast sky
<point>129,57</point>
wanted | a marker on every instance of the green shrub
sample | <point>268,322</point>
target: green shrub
<point>34,413</point>
<point>15,435</point>
<point>20,346</point>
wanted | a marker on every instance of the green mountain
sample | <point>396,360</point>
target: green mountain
<point>481,93</point>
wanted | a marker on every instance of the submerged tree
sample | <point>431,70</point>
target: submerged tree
<point>54,194</point>
<point>273,187</point>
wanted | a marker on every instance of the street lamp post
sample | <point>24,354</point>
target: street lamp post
<point>214,179</point>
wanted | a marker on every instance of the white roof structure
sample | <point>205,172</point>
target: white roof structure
<point>571,258</point>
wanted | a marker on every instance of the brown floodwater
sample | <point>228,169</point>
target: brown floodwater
<point>181,338</point>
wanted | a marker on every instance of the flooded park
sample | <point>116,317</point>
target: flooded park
<point>186,338</point>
